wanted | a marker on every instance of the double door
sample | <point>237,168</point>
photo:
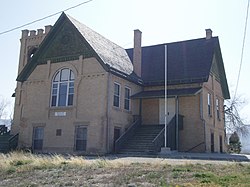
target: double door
<point>170,110</point>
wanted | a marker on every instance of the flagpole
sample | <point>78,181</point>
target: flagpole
<point>165,96</point>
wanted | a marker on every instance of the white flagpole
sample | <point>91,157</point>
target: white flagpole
<point>166,96</point>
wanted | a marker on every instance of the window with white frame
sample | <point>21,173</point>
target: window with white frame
<point>63,88</point>
<point>217,102</point>
<point>116,101</point>
<point>127,99</point>
<point>209,104</point>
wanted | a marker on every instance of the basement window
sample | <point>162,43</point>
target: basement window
<point>58,132</point>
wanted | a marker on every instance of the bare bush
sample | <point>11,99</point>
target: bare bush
<point>233,119</point>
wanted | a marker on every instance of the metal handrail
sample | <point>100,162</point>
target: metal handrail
<point>158,140</point>
<point>13,142</point>
<point>195,147</point>
<point>158,135</point>
<point>131,130</point>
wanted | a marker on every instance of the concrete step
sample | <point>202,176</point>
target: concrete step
<point>143,137</point>
<point>146,134</point>
<point>142,140</point>
<point>139,145</point>
<point>149,129</point>
<point>165,150</point>
<point>139,142</point>
<point>137,151</point>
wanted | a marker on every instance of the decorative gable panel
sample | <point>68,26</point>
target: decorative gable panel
<point>67,44</point>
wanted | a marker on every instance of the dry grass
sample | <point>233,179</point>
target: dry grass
<point>25,169</point>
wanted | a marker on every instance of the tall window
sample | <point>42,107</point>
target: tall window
<point>217,108</point>
<point>38,138</point>
<point>63,88</point>
<point>81,138</point>
<point>221,144</point>
<point>212,142</point>
<point>209,104</point>
<point>116,101</point>
<point>127,99</point>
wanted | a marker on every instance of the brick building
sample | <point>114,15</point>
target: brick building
<point>78,92</point>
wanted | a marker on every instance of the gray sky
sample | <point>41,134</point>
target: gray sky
<point>160,21</point>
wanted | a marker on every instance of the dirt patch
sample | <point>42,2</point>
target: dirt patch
<point>32,170</point>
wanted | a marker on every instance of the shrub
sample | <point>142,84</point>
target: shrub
<point>234,143</point>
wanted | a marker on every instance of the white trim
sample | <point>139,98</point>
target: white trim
<point>116,83</point>
<point>217,106</point>
<point>209,104</point>
<point>166,98</point>
<point>59,71</point>
<point>129,106</point>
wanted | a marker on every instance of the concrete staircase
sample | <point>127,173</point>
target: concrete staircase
<point>8,142</point>
<point>142,141</point>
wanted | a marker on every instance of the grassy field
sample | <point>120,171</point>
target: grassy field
<point>24,169</point>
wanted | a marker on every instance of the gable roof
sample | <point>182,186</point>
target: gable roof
<point>187,62</point>
<point>110,53</point>
<point>107,53</point>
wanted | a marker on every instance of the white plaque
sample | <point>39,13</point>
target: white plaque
<point>60,114</point>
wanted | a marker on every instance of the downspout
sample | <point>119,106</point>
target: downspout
<point>166,97</point>
<point>140,109</point>
<point>177,121</point>
<point>108,113</point>
<point>202,118</point>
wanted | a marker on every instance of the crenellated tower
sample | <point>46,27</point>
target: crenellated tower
<point>30,41</point>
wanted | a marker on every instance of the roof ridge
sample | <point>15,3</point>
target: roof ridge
<point>110,53</point>
<point>75,20</point>
<point>176,42</point>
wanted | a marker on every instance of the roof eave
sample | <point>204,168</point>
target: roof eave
<point>31,65</point>
<point>131,78</point>
<point>162,95</point>
<point>223,78</point>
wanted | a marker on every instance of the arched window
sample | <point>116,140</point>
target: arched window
<point>63,88</point>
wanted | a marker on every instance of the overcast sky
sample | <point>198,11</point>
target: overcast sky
<point>160,21</point>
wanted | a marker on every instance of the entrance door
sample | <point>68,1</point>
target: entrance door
<point>117,133</point>
<point>170,110</point>
<point>221,144</point>
<point>212,142</point>
<point>38,138</point>
<point>81,138</point>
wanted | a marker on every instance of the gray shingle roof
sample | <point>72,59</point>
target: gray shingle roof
<point>188,61</point>
<point>110,53</point>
